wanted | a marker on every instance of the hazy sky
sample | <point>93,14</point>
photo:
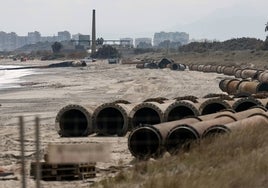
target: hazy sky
<point>212,19</point>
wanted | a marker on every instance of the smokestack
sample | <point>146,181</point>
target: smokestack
<point>93,45</point>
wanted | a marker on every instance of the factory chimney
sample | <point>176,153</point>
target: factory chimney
<point>93,44</point>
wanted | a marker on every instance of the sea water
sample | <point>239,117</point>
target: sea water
<point>12,78</point>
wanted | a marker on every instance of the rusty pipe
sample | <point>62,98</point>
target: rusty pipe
<point>231,87</point>
<point>246,103</point>
<point>254,120</point>
<point>181,109</point>
<point>112,118</point>
<point>249,73</point>
<point>148,141</point>
<point>224,83</point>
<point>213,105</point>
<point>74,121</point>
<point>148,113</point>
<point>252,87</point>
<point>263,76</point>
<point>181,136</point>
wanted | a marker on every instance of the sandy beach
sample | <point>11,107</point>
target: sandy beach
<point>45,93</point>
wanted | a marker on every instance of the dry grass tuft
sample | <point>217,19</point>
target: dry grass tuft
<point>236,160</point>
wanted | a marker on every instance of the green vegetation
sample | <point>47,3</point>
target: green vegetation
<point>237,160</point>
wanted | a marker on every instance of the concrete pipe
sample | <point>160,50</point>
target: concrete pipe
<point>213,68</point>
<point>254,120</point>
<point>194,67</point>
<point>122,101</point>
<point>147,113</point>
<point>245,103</point>
<point>177,66</point>
<point>200,68</point>
<point>249,73</point>
<point>112,118</point>
<point>181,109</point>
<point>159,100</point>
<point>218,69</point>
<point>140,66</point>
<point>180,137</point>
<point>206,68</point>
<point>263,77</point>
<point>231,87</point>
<point>213,105</point>
<point>237,73</point>
<point>252,87</point>
<point>223,84</point>
<point>187,97</point>
<point>148,141</point>
<point>229,71</point>
<point>74,121</point>
<point>222,96</point>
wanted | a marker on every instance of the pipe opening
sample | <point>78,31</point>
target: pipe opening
<point>109,121</point>
<point>73,123</point>
<point>146,116</point>
<point>180,112</point>
<point>244,106</point>
<point>180,139</point>
<point>213,108</point>
<point>175,66</point>
<point>263,87</point>
<point>144,143</point>
<point>215,131</point>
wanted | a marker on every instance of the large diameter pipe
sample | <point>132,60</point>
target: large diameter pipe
<point>74,121</point>
<point>213,105</point>
<point>246,103</point>
<point>147,113</point>
<point>180,137</point>
<point>252,87</point>
<point>181,109</point>
<point>148,141</point>
<point>112,118</point>
<point>249,73</point>
<point>255,120</point>
<point>223,84</point>
<point>231,87</point>
<point>229,71</point>
<point>263,76</point>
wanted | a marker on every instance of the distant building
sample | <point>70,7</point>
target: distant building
<point>64,36</point>
<point>143,42</point>
<point>34,37</point>
<point>126,42</point>
<point>181,37</point>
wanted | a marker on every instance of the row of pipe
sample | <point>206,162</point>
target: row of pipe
<point>238,72</point>
<point>236,86</point>
<point>119,117</point>
<point>163,63</point>
<point>176,136</point>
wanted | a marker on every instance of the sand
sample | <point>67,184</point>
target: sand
<point>44,94</point>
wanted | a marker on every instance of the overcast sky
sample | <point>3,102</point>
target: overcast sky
<point>211,19</point>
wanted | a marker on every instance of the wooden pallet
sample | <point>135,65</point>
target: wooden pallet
<point>60,172</point>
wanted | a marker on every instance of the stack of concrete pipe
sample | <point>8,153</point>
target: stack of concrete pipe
<point>236,86</point>
<point>119,117</point>
<point>175,136</point>
<point>238,72</point>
